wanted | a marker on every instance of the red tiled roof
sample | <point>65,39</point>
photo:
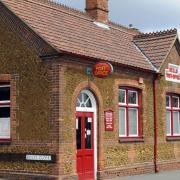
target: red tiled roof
<point>74,32</point>
<point>156,46</point>
<point>32,39</point>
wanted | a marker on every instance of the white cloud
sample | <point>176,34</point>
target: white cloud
<point>147,15</point>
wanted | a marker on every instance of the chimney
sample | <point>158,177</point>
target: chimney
<point>98,10</point>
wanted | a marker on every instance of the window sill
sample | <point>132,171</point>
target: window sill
<point>5,141</point>
<point>130,139</point>
<point>173,138</point>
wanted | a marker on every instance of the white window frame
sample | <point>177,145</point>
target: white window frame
<point>169,122</point>
<point>178,102</point>
<point>172,109</point>
<point>6,104</point>
<point>127,106</point>
<point>135,135</point>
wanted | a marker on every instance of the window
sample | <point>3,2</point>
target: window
<point>129,110</point>
<point>4,111</point>
<point>172,115</point>
<point>84,101</point>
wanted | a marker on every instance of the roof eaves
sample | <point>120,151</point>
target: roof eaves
<point>147,59</point>
<point>112,62</point>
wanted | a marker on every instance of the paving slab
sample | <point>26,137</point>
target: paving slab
<point>169,175</point>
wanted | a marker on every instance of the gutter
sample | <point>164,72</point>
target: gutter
<point>95,60</point>
<point>155,78</point>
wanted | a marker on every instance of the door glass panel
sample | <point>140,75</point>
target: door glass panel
<point>88,133</point>
<point>78,133</point>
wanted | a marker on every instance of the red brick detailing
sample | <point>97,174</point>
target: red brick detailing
<point>97,9</point>
<point>167,166</point>
<point>126,171</point>
<point>100,120</point>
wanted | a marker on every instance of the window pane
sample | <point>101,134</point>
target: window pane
<point>175,102</point>
<point>133,118</point>
<point>4,93</point>
<point>122,96</point>
<point>4,112</point>
<point>85,97</point>
<point>167,101</point>
<point>168,122</point>
<point>122,121</point>
<point>132,97</point>
<point>88,133</point>
<point>176,128</point>
<point>88,103</point>
<point>5,128</point>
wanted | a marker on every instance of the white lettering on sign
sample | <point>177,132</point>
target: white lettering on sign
<point>38,157</point>
<point>172,73</point>
<point>109,121</point>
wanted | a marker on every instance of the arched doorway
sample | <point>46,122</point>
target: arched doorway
<point>86,135</point>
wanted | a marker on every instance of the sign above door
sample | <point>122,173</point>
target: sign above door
<point>102,69</point>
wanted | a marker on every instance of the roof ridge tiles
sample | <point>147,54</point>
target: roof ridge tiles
<point>156,34</point>
<point>133,31</point>
<point>72,31</point>
<point>58,6</point>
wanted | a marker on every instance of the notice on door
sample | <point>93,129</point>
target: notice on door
<point>109,120</point>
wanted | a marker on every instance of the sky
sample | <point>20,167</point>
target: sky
<point>146,15</point>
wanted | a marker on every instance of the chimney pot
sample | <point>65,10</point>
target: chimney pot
<point>98,10</point>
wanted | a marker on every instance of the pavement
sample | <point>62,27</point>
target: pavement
<point>169,175</point>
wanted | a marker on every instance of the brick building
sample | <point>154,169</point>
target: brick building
<point>58,120</point>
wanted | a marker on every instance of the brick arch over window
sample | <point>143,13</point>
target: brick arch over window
<point>100,117</point>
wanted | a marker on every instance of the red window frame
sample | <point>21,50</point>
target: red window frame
<point>172,109</point>
<point>127,106</point>
<point>6,103</point>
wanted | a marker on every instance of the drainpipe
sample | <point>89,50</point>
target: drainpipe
<point>155,122</point>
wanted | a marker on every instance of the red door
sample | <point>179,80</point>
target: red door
<point>85,145</point>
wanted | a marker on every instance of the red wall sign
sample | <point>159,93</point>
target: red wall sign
<point>109,120</point>
<point>102,70</point>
